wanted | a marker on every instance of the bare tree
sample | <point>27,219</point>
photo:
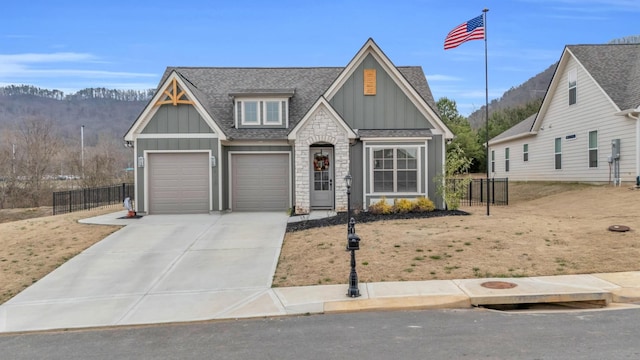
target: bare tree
<point>38,144</point>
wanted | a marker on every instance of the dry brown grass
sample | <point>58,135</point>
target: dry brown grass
<point>33,247</point>
<point>549,229</point>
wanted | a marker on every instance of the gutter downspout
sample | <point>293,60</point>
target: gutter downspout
<point>637,118</point>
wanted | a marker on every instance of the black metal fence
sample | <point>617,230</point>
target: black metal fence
<point>477,192</point>
<point>85,199</point>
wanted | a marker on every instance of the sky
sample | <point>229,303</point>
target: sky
<point>70,45</point>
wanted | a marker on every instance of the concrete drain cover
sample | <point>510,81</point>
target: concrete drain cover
<point>498,285</point>
<point>619,228</point>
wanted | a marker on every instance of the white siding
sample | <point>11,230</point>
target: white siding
<point>592,111</point>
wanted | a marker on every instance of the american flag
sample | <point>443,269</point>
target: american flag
<point>471,30</point>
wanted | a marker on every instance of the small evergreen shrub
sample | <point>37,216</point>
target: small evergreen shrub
<point>381,207</point>
<point>403,206</point>
<point>423,204</point>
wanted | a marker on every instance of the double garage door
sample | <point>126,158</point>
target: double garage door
<point>260,182</point>
<point>179,183</point>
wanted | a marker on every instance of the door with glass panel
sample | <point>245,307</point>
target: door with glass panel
<point>322,189</point>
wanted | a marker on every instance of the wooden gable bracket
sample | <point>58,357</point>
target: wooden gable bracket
<point>172,96</point>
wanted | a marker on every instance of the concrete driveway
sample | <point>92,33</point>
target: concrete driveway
<point>160,268</point>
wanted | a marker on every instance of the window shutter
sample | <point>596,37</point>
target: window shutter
<point>261,111</point>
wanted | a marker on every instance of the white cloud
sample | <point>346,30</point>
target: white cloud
<point>442,77</point>
<point>30,58</point>
<point>66,70</point>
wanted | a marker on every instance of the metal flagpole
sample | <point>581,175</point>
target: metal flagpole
<point>486,98</point>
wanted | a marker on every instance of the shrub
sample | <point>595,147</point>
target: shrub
<point>403,206</point>
<point>423,204</point>
<point>381,207</point>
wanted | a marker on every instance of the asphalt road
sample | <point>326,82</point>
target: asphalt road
<point>459,334</point>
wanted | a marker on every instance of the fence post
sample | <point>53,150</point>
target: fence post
<point>506,191</point>
<point>493,191</point>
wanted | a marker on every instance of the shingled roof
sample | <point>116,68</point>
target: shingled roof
<point>213,87</point>
<point>616,68</point>
<point>520,129</point>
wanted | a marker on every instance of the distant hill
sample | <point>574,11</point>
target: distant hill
<point>101,111</point>
<point>532,89</point>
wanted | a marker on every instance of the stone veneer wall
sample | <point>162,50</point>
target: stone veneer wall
<point>321,128</point>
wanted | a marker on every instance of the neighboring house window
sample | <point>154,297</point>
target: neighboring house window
<point>525,152</point>
<point>593,149</point>
<point>506,159</point>
<point>558,153</point>
<point>573,79</point>
<point>395,170</point>
<point>261,112</point>
<point>493,161</point>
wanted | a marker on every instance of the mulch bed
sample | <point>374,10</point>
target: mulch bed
<point>365,217</point>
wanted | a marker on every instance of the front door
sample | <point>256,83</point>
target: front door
<point>322,193</point>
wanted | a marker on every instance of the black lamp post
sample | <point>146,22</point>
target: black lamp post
<point>353,243</point>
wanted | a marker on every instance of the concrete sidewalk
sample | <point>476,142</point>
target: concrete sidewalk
<point>176,282</point>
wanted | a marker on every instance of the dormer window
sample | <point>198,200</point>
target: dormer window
<point>262,108</point>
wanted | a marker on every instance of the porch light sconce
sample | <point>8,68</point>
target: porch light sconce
<point>347,180</point>
<point>213,161</point>
<point>141,161</point>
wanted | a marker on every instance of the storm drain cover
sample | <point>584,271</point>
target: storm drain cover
<point>619,228</point>
<point>498,285</point>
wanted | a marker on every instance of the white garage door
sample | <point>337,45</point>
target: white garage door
<point>260,182</point>
<point>178,183</point>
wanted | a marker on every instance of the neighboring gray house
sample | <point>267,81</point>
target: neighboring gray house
<point>589,112</point>
<point>255,139</point>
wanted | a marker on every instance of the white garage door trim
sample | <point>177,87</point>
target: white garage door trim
<point>146,173</point>
<point>230,177</point>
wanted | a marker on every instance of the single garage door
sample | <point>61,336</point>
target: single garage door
<point>260,182</point>
<point>178,183</point>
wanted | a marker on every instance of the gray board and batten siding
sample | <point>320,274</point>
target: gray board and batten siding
<point>390,108</point>
<point>181,119</point>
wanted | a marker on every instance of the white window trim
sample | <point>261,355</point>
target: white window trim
<point>507,157</point>
<point>243,121</point>
<point>525,158</point>
<point>493,161</point>
<point>555,153</point>
<point>420,168</point>
<point>279,121</point>
<point>262,111</point>
<point>572,77</point>
<point>589,148</point>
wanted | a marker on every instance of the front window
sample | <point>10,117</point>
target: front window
<point>525,152</point>
<point>558,153</point>
<point>593,149</point>
<point>395,170</point>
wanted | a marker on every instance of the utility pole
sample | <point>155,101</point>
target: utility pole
<point>82,149</point>
<point>13,159</point>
